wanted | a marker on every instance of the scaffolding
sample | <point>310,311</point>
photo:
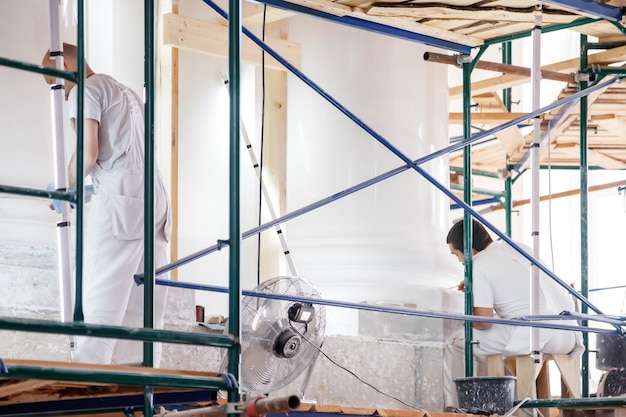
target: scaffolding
<point>231,341</point>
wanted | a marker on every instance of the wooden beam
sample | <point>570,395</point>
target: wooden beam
<point>209,38</point>
<point>174,195</point>
<point>338,9</point>
<point>113,368</point>
<point>562,194</point>
<point>166,127</point>
<point>509,80</point>
<point>252,15</point>
<point>460,13</point>
<point>419,28</point>
<point>489,118</point>
<point>273,262</point>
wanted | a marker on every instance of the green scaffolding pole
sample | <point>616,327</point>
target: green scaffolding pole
<point>80,157</point>
<point>467,218</point>
<point>234,294</point>
<point>584,217</point>
<point>507,52</point>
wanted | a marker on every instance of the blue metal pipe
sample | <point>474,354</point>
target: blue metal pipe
<point>607,288</point>
<point>592,8</point>
<point>560,117</point>
<point>522,321</point>
<point>477,203</point>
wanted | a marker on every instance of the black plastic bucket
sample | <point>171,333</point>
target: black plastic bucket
<point>611,351</point>
<point>494,394</point>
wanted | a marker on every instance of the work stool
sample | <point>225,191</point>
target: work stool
<point>534,381</point>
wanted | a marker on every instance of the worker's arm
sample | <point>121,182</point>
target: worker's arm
<point>90,151</point>
<point>484,312</point>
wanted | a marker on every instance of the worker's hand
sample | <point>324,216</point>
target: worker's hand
<point>57,205</point>
<point>461,286</point>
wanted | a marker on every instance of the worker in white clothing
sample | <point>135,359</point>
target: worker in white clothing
<point>113,227</point>
<point>501,279</point>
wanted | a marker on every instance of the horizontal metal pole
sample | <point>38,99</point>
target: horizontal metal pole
<point>117,377</point>
<point>106,404</point>
<point>39,69</point>
<point>117,332</point>
<point>615,287</point>
<point>592,8</point>
<point>478,172</point>
<point>478,203</point>
<point>522,321</point>
<point>479,191</point>
<point>544,29</point>
<point>499,67</point>
<point>577,402</point>
<point>608,71</point>
<point>33,192</point>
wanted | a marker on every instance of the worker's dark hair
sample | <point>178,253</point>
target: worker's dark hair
<point>480,236</point>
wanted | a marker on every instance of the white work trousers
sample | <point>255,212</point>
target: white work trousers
<point>110,295</point>
<point>499,339</point>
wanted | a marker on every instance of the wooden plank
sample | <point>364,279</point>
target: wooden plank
<point>448,13</point>
<point>324,6</point>
<point>399,413</point>
<point>21,386</point>
<point>273,261</point>
<point>420,28</point>
<point>358,411</point>
<point>252,14</point>
<point>174,156</point>
<point>209,38</point>
<point>116,368</point>
<point>490,118</point>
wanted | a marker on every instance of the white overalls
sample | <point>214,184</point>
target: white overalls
<point>113,244</point>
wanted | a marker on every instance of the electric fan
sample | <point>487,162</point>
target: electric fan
<point>280,338</point>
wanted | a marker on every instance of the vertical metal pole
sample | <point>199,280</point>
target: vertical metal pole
<point>148,401</point>
<point>80,157</point>
<point>507,49</point>
<point>234,294</point>
<point>149,75</point>
<point>508,203</point>
<point>535,195</point>
<point>467,218</point>
<point>148,247</point>
<point>57,96</point>
<point>584,207</point>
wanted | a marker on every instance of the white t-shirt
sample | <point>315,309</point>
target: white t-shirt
<point>501,280</point>
<point>112,105</point>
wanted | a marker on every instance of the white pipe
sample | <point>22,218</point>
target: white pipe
<point>535,195</point>
<point>266,195</point>
<point>57,95</point>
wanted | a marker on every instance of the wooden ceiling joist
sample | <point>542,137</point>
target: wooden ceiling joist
<point>210,38</point>
<point>488,14</point>
<point>256,14</point>
<point>487,118</point>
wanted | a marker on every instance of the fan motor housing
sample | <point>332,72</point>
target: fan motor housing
<point>287,344</point>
